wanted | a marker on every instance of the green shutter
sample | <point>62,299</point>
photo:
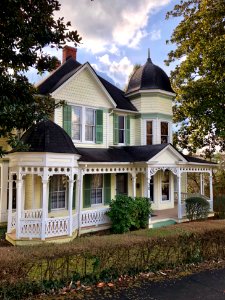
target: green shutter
<point>115,129</point>
<point>67,119</point>
<point>49,191</point>
<point>127,134</point>
<point>87,191</point>
<point>99,127</point>
<point>107,188</point>
<point>74,192</point>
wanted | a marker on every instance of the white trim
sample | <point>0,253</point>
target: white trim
<point>170,148</point>
<point>86,66</point>
<point>126,111</point>
<point>158,91</point>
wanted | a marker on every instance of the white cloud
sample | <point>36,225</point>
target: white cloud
<point>155,35</point>
<point>109,24</point>
<point>117,70</point>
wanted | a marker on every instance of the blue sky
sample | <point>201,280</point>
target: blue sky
<point>116,34</point>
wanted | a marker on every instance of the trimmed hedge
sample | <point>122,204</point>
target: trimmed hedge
<point>91,259</point>
<point>197,208</point>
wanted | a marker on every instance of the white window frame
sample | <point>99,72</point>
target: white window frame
<point>83,124</point>
<point>61,208</point>
<point>168,133</point>
<point>102,191</point>
<point>168,200</point>
<point>149,120</point>
<point>80,124</point>
<point>124,129</point>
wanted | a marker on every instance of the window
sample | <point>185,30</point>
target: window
<point>122,184</point>
<point>89,124</point>
<point>96,189</point>
<point>76,122</point>
<point>57,191</point>
<point>149,133</point>
<point>152,189</point>
<point>164,132</point>
<point>165,185</point>
<point>121,130</point>
<point>83,124</point>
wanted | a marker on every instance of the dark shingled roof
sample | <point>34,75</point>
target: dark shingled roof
<point>149,76</point>
<point>198,160</point>
<point>46,136</point>
<point>127,154</point>
<point>68,69</point>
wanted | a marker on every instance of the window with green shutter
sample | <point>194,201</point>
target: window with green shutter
<point>86,191</point>
<point>107,188</point>
<point>67,119</point>
<point>127,134</point>
<point>115,129</point>
<point>99,127</point>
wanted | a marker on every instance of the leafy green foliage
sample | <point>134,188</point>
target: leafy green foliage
<point>198,80</point>
<point>27,27</point>
<point>197,208</point>
<point>127,213</point>
<point>219,206</point>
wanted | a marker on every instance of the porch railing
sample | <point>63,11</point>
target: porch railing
<point>94,217</point>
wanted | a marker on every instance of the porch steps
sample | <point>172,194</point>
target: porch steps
<point>162,223</point>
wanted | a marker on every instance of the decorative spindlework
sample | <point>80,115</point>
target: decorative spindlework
<point>94,217</point>
<point>195,170</point>
<point>30,228</point>
<point>122,169</point>
<point>32,214</point>
<point>56,227</point>
<point>75,222</point>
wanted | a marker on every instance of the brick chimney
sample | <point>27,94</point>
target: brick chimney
<point>69,52</point>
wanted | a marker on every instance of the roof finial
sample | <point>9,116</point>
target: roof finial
<point>149,59</point>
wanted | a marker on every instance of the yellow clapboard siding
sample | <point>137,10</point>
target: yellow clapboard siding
<point>83,89</point>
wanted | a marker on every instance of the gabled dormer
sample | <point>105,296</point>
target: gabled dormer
<point>149,90</point>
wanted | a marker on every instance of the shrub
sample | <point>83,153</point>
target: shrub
<point>219,206</point>
<point>127,213</point>
<point>197,208</point>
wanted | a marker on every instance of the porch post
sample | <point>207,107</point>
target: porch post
<point>70,207</point>
<point>19,185</point>
<point>211,189</point>
<point>44,207</point>
<point>10,204</point>
<point>80,202</point>
<point>134,179</point>
<point>202,184</point>
<point>179,195</point>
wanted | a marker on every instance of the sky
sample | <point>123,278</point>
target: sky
<point>116,34</point>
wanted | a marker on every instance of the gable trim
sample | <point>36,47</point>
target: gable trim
<point>86,66</point>
<point>170,148</point>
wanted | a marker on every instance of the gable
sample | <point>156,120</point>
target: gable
<point>167,156</point>
<point>83,88</point>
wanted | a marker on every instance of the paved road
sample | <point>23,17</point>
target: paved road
<point>207,285</point>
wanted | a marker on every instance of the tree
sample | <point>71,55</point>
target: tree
<point>26,27</point>
<point>199,79</point>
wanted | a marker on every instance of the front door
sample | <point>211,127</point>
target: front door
<point>122,184</point>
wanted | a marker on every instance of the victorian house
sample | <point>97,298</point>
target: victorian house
<point>103,142</point>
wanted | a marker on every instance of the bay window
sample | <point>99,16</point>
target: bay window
<point>149,133</point>
<point>57,192</point>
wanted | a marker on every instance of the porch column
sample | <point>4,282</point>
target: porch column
<point>79,216</point>
<point>10,204</point>
<point>147,184</point>
<point>70,207</point>
<point>19,186</point>
<point>134,180</point>
<point>44,207</point>
<point>179,195</point>
<point>211,190</point>
<point>202,184</point>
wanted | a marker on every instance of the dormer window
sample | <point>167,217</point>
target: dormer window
<point>149,133</point>
<point>164,132</point>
